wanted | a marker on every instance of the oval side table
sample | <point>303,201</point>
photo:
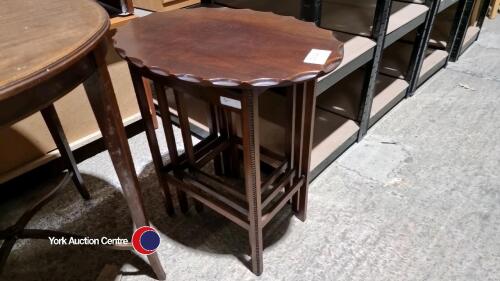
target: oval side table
<point>229,58</point>
<point>44,54</point>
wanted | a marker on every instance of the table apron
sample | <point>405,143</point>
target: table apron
<point>42,95</point>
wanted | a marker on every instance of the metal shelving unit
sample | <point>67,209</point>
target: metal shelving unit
<point>439,34</point>
<point>468,26</point>
<point>363,88</point>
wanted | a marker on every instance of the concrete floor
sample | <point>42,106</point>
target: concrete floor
<point>417,199</point>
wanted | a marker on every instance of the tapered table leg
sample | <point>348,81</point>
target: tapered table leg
<point>306,90</point>
<point>149,125</point>
<point>251,160</point>
<point>186,133</point>
<point>215,130</point>
<point>298,139</point>
<point>170,138</point>
<point>103,102</point>
<point>52,120</point>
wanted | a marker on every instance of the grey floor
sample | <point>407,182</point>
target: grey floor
<point>417,199</point>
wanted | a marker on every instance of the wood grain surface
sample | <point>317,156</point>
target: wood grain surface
<point>38,38</point>
<point>227,47</point>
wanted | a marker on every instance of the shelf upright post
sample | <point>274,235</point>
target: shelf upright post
<point>379,31</point>
<point>482,15</point>
<point>311,11</point>
<point>459,28</point>
<point>420,46</point>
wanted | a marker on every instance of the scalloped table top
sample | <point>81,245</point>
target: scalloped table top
<point>40,38</point>
<point>227,47</point>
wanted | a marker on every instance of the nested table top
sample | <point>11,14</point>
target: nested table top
<point>38,38</point>
<point>229,47</point>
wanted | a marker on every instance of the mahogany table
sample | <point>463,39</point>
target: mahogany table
<point>44,54</point>
<point>229,58</point>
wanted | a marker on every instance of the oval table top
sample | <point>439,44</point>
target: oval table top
<point>39,38</point>
<point>229,47</point>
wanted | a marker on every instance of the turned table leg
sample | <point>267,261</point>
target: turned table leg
<point>52,120</point>
<point>103,101</point>
<point>251,160</point>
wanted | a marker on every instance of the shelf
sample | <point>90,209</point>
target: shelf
<point>116,22</point>
<point>441,30</point>
<point>164,5</point>
<point>396,60</point>
<point>445,4</point>
<point>357,17</point>
<point>470,36</point>
<point>345,97</point>
<point>358,51</point>
<point>280,7</point>
<point>332,133</point>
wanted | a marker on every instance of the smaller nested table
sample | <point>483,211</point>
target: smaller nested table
<point>230,58</point>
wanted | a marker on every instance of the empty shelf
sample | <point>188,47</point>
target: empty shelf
<point>333,134</point>
<point>345,97</point>
<point>441,29</point>
<point>445,4</point>
<point>358,50</point>
<point>396,60</point>
<point>281,7</point>
<point>356,17</point>
<point>433,62</point>
<point>470,36</point>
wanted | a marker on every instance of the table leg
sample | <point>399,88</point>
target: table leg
<point>149,125</point>
<point>186,134</point>
<point>56,130</point>
<point>149,95</point>
<point>103,102</point>
<point>170,138</point>
<point>251,160</point>
<point>214,130</point>
<point>308,107</point>
<point>230,156</point>
<point>293,138</point>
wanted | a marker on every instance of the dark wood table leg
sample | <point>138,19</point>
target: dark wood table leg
<point>308,108</point>
<point>251,161</point>
<point>298,140</point>
<point>149,125</point>
<point>215,130</point>
<point>56,130</point>
<point>291,141</point>
<point>103,101</point>
<point>230,157</point>
<point>186,134</point>
<point>149,95</point>
<point>170,138</point>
